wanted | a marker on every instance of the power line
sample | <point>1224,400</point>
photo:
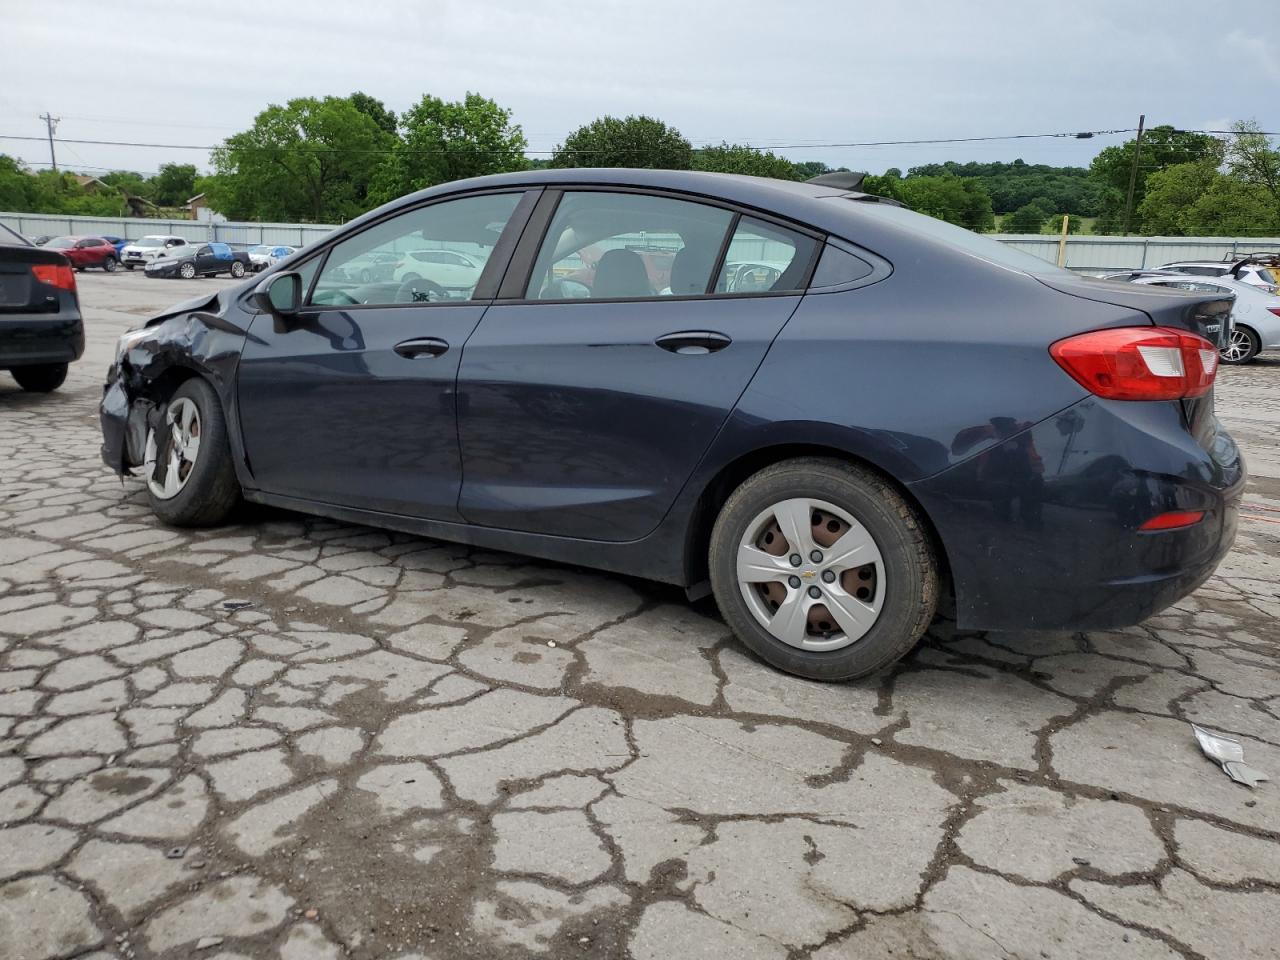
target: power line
<point>808,145</point>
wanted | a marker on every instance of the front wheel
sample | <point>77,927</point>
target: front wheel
<point>191,481</point>
<point>823,569</point>
<point>237,269</point>
<point>110,264</point>
<point>1242,347</point>
<point>40,378</point>
<point>129,267</point>
<point>187,271</point>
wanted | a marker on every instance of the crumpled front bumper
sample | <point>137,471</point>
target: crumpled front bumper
<point>124,425</point>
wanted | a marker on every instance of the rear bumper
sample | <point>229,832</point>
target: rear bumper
<point>1041,531</point>
<point>29,339</point>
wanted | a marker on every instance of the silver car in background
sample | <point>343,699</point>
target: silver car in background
<point>1256,273</point>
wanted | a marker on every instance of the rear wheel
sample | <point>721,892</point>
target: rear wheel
<point>1242,346</point>
<point>40,378</point>
<point>191,481</point>
<point>823,569</point>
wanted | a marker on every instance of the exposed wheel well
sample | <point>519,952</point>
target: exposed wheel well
<point>163,386</point>
<point>733,474</point>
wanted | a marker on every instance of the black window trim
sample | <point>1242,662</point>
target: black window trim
<point>520,270</point>
<point>489,276</point>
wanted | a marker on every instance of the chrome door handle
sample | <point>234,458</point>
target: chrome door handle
<point>423,346</point>
<point>693,342</point>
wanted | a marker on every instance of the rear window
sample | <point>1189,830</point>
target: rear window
<point>974,244</point>
<point>1265,275</point>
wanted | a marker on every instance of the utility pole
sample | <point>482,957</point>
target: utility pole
<point>1133,174</point>
<point>51,123</point>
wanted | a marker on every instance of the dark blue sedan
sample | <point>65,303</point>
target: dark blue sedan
<point>833,413</point>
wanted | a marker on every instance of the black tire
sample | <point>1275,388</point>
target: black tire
<point>212,490</point>
<point>40,378</point>
<point>110,264</point>
<point>1231,353</point>
<point>910,567</point>
<point>187,271</point>
<point>237,269</point>
<point>128,266</point>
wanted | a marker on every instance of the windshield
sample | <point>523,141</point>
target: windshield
<point>974,244</point>
<point>61,243</point>
<point>260,248</point>
<point>151,242</point>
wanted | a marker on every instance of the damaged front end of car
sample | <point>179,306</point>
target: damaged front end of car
<point>194,339</point>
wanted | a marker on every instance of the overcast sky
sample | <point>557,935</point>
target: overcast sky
<point>775,74</point>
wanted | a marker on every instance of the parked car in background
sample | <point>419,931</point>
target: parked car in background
<point>42,239</point>
<point>265,255</point>
<point>457,273</point>
<point>118,242</point>
<point>85,252</point>
<point>1255,314</point>
<point>41,332</point>
<point>139,253</point>
<point>377,266</point>
<point>205,260</point>
<point>909,411</point>
<point>1246,270</point>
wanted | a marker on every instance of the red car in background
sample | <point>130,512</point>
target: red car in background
<point>86,252</point>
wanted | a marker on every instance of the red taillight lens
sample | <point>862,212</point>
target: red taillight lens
<point>1275,310</point>
<point>1139,363</point>
<point>55,274</point>
<point>1173,520</point>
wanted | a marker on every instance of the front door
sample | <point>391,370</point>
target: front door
<point>585,406</point>
<point>353,403</point>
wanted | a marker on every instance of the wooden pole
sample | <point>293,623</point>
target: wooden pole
<point>1133,174</point>
<point>1062,242</point>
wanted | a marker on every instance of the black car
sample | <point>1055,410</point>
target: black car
<point>41,331</point>
<point>896,412</point>
<point>204,260</point>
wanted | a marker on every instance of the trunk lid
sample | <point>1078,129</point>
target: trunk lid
<point>1209,317</point>
<point>20,292</point>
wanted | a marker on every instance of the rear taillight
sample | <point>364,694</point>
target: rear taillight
<point>58,275</point>
<point>1173,520</point>
<point>1275,310</point>
<point>1139,363</point>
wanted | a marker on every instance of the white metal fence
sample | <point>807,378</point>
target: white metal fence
<point>38,224</point>
<point>1087,254</point>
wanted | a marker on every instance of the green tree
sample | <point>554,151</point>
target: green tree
<point>445,141</point>
<point>375,110</point>
<point>130,183</point>
<point>17,186</point>
<point>629,142</point>
<point>307,160</point>
<point>1162,146</point>
<point>739,158</point>
<point>173,184</point>
<point>959,200</point>
<point>1252,160</point>
<point>1170,194</point>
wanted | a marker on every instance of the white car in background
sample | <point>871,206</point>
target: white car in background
<point>1246,270</point>
<point>1255,315</point>
<point>457,273</point>
<point>266,255</point>
<point>138,253</point>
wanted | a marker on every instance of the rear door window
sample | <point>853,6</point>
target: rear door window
<point>626,246</point>
<point>763,258</point>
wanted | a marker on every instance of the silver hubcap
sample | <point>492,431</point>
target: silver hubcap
<point>166,476</point>
<point>1237,347</point>
<point>811,574</point>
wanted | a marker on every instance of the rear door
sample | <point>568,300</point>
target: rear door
<point>586,401</point>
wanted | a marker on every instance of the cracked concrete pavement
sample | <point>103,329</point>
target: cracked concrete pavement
<point>292,738</point>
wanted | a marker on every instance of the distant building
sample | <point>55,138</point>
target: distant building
<point>90,183</point>
<point>198,209</point>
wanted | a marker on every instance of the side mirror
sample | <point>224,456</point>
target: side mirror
<point>279,294</point>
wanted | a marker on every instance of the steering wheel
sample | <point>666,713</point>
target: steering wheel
<point>415,289</point>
